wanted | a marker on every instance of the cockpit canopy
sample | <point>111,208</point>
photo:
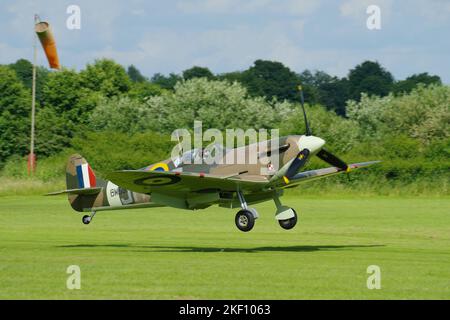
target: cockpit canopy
<point>210,154</point>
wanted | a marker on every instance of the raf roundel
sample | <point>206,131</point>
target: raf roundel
<point>163,167</point>
<point>158,181</point>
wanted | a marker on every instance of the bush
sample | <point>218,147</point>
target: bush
<point>424,115</point>
<point>218,104</point>
<point>121,114</point>
<point>108,151</point>
<point>47,169</point>
<point>15,101</point>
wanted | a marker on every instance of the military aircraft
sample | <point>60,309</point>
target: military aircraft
<point>186,185</point>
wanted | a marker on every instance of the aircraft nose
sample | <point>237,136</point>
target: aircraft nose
<point>313,144</point>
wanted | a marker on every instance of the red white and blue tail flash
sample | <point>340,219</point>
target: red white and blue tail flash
<point>86,177</point>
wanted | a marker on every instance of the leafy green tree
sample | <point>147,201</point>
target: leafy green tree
<point>271,79</point>
<point>235,76</point>
<point>315,79</point>
<point>62,90</point>
<point>65,92</point>
<point>113,150</point>
<point>144,90</point>
<point>334,95</point>
<point>107,77</point>
<point>197,72</point>
<point>412,82</point>
<point>340,134</point>
<point>424,114</point>
<point>15,106</point>
<point>371,78</point>
<point>218,104</point>
<point>310,88</point>
<point>135,75</point>
<point>166,82</point>
<point>321,88</point>
<point>66,107</point>
<point>121,114</point>
<point>24,71</point>
<point>53,132</point>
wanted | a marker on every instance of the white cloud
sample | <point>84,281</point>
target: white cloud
<point>432,10</point>
<point>221,49</point>
<point>237,47</point>
<point>287,7</point>
<point>11,54</point>
<point>99,16</point>
<point>207,6</point>
<point>299,7</point>
<point>164,37</point>
<point>356,9</point>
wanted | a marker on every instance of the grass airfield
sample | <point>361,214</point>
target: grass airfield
<point>173,254</point>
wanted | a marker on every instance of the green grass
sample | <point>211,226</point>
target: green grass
<point>173,254</point>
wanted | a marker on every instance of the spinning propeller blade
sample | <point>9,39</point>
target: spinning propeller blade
<point>302,102</point>
<point>330,158</point>
<point>295,166</point>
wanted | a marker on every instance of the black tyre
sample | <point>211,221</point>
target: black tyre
<point>86,219</point>
<point>289,223</point>
<point>245,220</point>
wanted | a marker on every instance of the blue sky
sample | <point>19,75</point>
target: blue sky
<point>228,35</point>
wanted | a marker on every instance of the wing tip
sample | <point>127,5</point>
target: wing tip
<point>365,164</point>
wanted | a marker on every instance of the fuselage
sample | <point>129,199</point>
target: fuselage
<point>259,161</point>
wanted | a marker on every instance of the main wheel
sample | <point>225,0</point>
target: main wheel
<point>289,223</point>
<point>245,220</point>
<point>86,219</point>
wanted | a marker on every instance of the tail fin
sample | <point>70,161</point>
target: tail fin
<point>84,190</point>
<point>79,174</point>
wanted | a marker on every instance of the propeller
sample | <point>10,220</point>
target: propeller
<point>302,102</point>
<point>299,161</point>
<point>330,158</point>
<point>303,156</point>
<point>323,154</point>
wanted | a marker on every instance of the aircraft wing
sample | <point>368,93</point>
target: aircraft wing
<point>321,173</point>
<point>178,182</point>
<point>167,182</point>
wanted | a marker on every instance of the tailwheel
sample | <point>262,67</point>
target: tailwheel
<point>289,224</point>
<point>86,219</point>
<point>245,220</point>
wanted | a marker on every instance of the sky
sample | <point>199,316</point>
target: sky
<point>229,35</point>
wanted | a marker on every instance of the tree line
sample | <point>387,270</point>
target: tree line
<point>272,79</point>
<point>118,112</point>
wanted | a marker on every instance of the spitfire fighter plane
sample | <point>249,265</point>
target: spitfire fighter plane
<point>191,186</point>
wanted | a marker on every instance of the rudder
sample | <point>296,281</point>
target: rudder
<point>84,190</point>
<point>79,174</point>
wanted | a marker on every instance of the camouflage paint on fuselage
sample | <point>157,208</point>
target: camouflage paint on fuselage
<point>112,196</point>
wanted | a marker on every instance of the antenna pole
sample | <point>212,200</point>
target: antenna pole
<point>31,156</point>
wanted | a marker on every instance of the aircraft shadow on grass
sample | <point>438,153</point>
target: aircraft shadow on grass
<point>306,248</point>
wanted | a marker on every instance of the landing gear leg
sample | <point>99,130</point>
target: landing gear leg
<point>245,219</point>
<point>287,217</point>
<point>88,218</point>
